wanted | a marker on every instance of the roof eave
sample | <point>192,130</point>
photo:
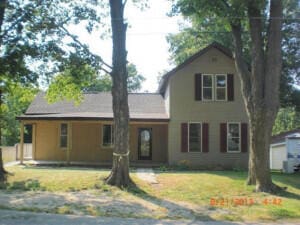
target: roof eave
<point>165,78</point>
<point>26,118</point>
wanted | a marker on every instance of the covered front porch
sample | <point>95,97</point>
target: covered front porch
<point>90,143</point>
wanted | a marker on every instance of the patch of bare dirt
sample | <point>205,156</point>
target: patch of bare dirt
<point>99,203</point>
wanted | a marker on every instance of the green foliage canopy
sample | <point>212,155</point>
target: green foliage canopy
<point>15,101</point>
<point>210,23</point>
<point>79,78</point>
<point>37,31</point>
<point>287,119</point>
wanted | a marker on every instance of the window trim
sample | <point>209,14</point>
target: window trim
<point>216,88</point>
<point>240,133</point>
<point>188,137</point>
<point>60,135</point>
<point>212,87</point>
<point>112,139</point>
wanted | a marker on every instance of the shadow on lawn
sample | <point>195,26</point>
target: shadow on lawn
<point>175,211</point>
<point>232,174</point>
<point>288,194</point>
<point>292,180</point>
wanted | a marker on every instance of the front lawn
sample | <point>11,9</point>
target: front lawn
<point>226,190</point>
<point>206,195</point>
<point>54,178</point>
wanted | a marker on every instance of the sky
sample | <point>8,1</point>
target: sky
<point>146,40</point>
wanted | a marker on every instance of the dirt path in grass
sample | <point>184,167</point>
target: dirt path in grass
<point>99,203</point>
<point>147,174</point>
<point>11,217</point>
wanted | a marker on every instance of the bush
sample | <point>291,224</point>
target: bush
<point>184,165</point>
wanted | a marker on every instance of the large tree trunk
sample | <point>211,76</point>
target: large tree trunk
<point>119,175</point>
<point>260,87</point>
<point>259,161</point>
<point>2,171</point>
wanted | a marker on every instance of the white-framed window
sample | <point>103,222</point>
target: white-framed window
<point>107,135</point>
<point>194,137</point>
<point>63,135</point>
<point>233,137</point>
<point>221,87</point>
<point>208,87</point>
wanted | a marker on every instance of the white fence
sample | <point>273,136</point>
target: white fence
<point>9,153</point>
<point>12,153</point>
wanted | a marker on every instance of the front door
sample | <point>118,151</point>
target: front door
<point>145,144</point>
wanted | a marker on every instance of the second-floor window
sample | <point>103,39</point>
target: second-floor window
<point>214,87</point>
<point>221,87</point>
<point>107,135</point>
<point>207,86</point>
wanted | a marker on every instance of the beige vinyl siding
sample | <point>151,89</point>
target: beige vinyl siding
<point>159,142</point>
<point>184,108</point>
<point>47,142</point>
<point>87,138</point>
<point>86,142</point>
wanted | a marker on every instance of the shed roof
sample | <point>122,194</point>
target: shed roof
<point>279,138</point>
<point>97,106</point>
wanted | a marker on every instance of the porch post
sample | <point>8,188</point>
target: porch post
<point>22,142</point>
<point>69,142</point>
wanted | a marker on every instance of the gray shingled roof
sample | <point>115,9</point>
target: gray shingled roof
<point>97,106</point>
<point>279,138</point>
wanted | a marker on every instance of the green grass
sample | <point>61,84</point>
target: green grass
<point>196,188</point>
<point>55,179</point>
<point>229,189</point>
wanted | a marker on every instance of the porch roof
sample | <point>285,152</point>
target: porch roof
<point>142,106</point>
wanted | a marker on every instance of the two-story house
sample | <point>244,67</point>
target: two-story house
<point>197,115</point>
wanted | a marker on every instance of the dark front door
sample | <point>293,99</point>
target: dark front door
<point>145,144</point>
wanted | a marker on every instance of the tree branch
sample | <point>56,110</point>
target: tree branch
<point>2,11</point>
<point>273,53</point>
<point>240,64</point>
<point>86,48</point>
<point>257,52</point>
<point>124,3</point>
<point>226,4</point>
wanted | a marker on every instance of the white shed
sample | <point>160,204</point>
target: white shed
<point>285,147</point>
<point>278,154</point>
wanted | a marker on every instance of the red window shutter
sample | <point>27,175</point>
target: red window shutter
<point>244,136</point>
<point>230,87</point>
<point>198,87</point>
<point>184,137</point>
<point>223,137</point>
<point>205,137</point>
